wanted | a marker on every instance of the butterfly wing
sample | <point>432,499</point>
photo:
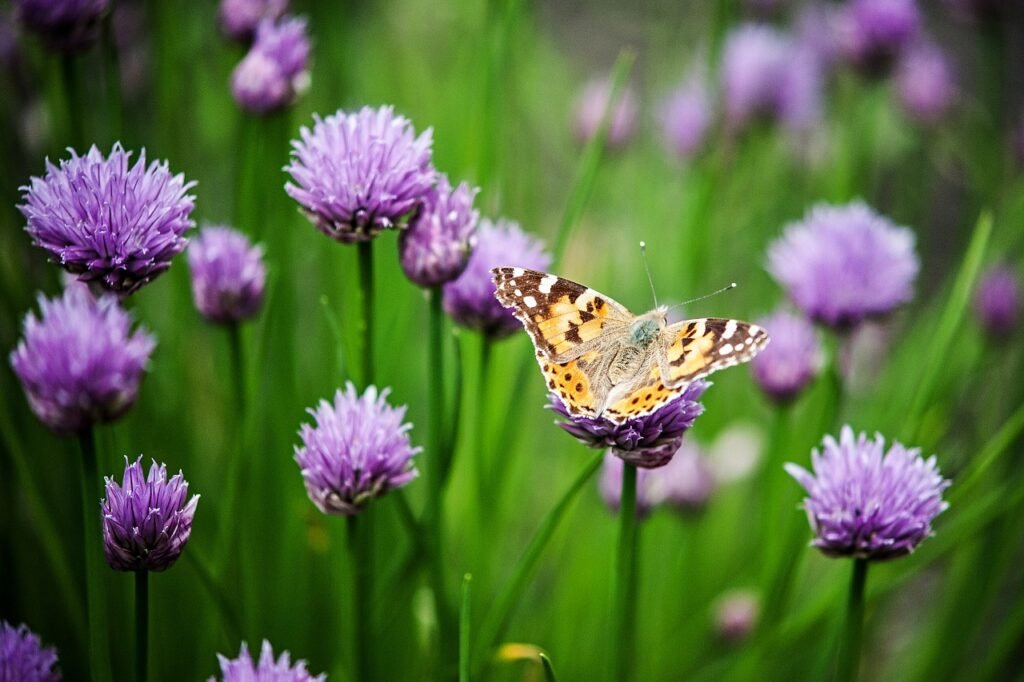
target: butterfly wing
<point>696,348</point>
<point>645,395</point>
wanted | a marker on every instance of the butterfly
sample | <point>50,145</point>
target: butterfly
<point>602,360</point>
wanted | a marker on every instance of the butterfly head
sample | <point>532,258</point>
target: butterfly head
<point>646,328</point>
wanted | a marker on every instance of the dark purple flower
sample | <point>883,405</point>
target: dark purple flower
<point>842,264</point>
<point>792,360</point>
<point>435,248</point>
<point>360,173</point>
<point>358,451</point>
<point>686,116</point>
<point>63,24</point>
<point>924,81</point>
<point>79,361</point>
<point>275,71</point>
<point>10,51</point>
<point>108,221</point>
<point>147,520</point>
<point>736,614</point>
<point>648,495</point>
<point>228,275</point>
<point>239,18</point>
<point>997,301</point>
<point>875,32</point>
<point>469,300</point>
<point>23,658</point>
<point>866,503</point>
<point>244,669</point>
<point>649,441</point>
<point>590,108</point>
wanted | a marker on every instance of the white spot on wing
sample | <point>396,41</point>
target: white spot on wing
<point>546,283</point>
<point>725,350</point>
<point>518,272</point>
<point>519,292</point>
<point>730,329</point>
<point>530,301</point>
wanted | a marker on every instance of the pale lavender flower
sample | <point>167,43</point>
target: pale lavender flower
<point>108,221</point>
<point>925,84</point>
<point>435,248</point>
<point>648,496</point>
<point>997,301</point>
<point>23,658</point>
<point>843,264</point>
<point>228,275</point>
<point>590,108</point>
<point>792,360</point>
<point>268,669</point>
<point>867,503</point>
<point>876,32</point>
<point>736,614</point>
<point>66,25</point>
<point>79,361</point>
<point>239,18</point>
<point>276,69</point>
<point>469,300</point>
<point>686,116</point>
<point>358,451</point>
<point>356,174</point>
<point>686,482</point>
<point>147,520</point>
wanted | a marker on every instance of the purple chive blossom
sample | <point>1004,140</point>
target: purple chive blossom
<point>876,32</point>
<point>79,361</point>
<point>590,108</point>
<point>686,482</point>
<point>686,117</point>
<point>924,82</point>
<point>997,301</point>
<point>23,658</point>
<point>239,18</point>
<point>648,495</point>
<point>469,300</point>
<point>275,71</point>
<point>435,248</point>
<point>108,221</point>
<point>649,441</point>
<point>267,669</point>
<point>843,264</point>
<point>228,275</point>
<point>357,174</point>
<point>866,503</point>
<point>736,614</point>
<point>358,451</point>
<point>66,25</point>
<point>792,360</point>
<point>147,520</point>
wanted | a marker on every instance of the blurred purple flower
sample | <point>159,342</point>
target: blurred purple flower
<point>590,108</point>
<point>244,669</point>
<point>686,482</point>
<point>866,503</point>
<point>876,32</point>
<point>997,301</point>
<point>686,116</point>
<point>736,614</point>
<point>610,486</point>
<point>842,264</point>
<point>275,71</point>
<point>924,81</point>
<point>469,300</point>
<point>65,25</point>
<point>228,275</point>
<point>792,360</point>
<point>649,441</point>
<point>10,50</point>
<point>435,248</point>
<point>23,658</point>
<point>79,362</point>
<point>239,18</point>
<point>358,451</point>
<point>147,520</point>
<point>764,8</point>
<point>360,173</point>
<point>109,222</point>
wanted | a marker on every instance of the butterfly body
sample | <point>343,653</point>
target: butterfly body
<point>603,361</point>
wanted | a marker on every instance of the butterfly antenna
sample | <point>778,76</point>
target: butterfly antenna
<point>713,293</point>
<point>650,280</point>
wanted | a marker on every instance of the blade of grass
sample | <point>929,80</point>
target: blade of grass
<point>464,630</point>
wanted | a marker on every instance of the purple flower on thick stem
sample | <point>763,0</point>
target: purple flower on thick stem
<point>435,249</point>
<point>228,275</point>
<point>65,25</point>
<point>997,301</point>
<point>79,361</point>
<point>267,669</point>
<point>358,450</point>
<point>867,503</point>
<point>684,483</point>
<point>357,174</point>
<point>792,360</point>
<point>147,520</point>
<point>239,18</point>
<point>23,658</point>
<point>108,221</point>
<point>876,32</point>
<point>276,69</point>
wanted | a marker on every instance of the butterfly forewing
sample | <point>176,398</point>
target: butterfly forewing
<point>699,347</point>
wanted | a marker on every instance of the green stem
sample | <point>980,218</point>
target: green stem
<point>99,652</point>
<point>486,467</point>
<point>360,537</point>
<point>624,616</point>
<point>464,630</point>
<point>73,102</point>
<point>141,625</point>
<point>849,649</point>
<point>215,589</point>
<point>365,250</point>
<point>113,78</point>
<point>237,369</point>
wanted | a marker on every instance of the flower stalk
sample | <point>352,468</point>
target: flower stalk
<point>141,625</point>
<point>848,662</point>
<point>99,652</point>
<point>624,616</point>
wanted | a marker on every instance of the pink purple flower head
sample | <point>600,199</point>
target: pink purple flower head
<point>147,520</point>
<point>66,25</point>
<point>875,32</point>
<point>736,614</point>
<point>685,483</point>
<point>469,300</point>
<point>924,82</point>
<point>358,450</point>
<point>356,174</point>
<point>228,275</point>
<point>275,71</point>
<point>79,361</point>
<point>239,18</point>
<point>435,248</point>
<point>648,441</point>
<point>792,360</point>
<point>109,221</point>
<point>267,669</point>
<point>865,502</point>
<point>590,108</point>
<point>686,116</point>
<point>843,264</point>
<point>23,658</point>
<point>997,301</point>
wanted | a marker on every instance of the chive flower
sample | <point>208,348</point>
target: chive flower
<point>875,33</point>
<point>276,69</point>
<point>590,108</point>
<point>23,658</point>
<point>997,301</point>
<point>65,25</point>
<point>239,18</point>
<point>925,84</point>
<point>267,669</point>
<point>228,275</point>
<point>686,116</point>
<point>736,614</point>
<point>792,360</point>
<point>684,484</point>
<point>435,248</point>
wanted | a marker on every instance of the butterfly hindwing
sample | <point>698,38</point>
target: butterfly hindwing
<point>643,397</point>
<point>696,348</point>
<point>576,382</point>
